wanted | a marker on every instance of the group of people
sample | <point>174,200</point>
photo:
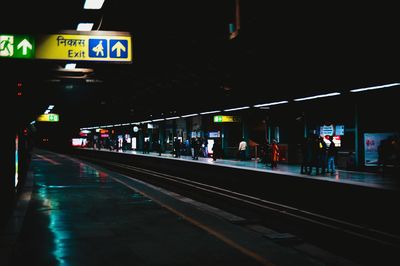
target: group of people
<point>270,154</point>
<point>195,146</point>
<point>316,153</point>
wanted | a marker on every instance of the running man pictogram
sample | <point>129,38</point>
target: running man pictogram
<point>6,45</point>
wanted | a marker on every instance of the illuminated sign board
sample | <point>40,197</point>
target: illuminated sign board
<point>107,46</point>
<point>17,46</point>
<point>331,130</point>
<point>226,118</point>
<point>48,118</point>
<point>84,47</point>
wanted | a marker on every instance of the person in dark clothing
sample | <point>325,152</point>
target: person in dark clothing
<point>196,148</point>
<point>146,146</point>
<point>321,155</point>
<point>217,150</point>
<point>157,147</point>
<point>266,153</point>
<point>274,154</point>
<point>306,147</point>
<point>331,154</point>
<point>313,149</point>
<point>177,148</point>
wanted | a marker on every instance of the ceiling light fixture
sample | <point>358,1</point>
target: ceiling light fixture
<point>269,104</point>
<point>70,66</point>
<point>238,108</point>
<point>210,112</point>
<point>93,4</point>
<point>170,118</point>
<point>189,115</point>
<point>84,27</point>
<point>317,96</point>
<point>375,87</point>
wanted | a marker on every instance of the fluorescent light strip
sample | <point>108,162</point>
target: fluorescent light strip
<point>125,124</point>
<point>170,118</point>
<point>210,112</point>
<point>135,123</point>
<point>269,104</point>
<point>317,96</point>
<point>376,87</point>
<point>84,27</point>
<point>147,121</point>
<point>189,115</point>
<point>93,4</point>
<point>46,112</point>
<point>238,108</point>
<point>157,120</point>
<point>50,107</point>
<point>70,66</point>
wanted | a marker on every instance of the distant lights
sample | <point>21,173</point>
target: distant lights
<point>261,106</point>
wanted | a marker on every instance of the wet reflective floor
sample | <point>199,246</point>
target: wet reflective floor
<point>82,214</point>
<point>369,179</point>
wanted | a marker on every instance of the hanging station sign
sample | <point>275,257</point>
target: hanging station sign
<point>226,119</point>
<point>107,46</point>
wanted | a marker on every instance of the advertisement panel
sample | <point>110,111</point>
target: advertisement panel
<point>371,145</point>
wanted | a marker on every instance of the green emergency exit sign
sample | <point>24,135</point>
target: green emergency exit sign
<point>17,46</point>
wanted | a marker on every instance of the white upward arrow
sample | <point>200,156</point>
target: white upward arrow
<point>25,44</point>
<point>119,46</point>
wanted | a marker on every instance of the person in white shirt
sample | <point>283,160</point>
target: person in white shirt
<point>242,150</point>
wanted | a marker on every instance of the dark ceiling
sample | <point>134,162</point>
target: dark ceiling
<point>183,60</point>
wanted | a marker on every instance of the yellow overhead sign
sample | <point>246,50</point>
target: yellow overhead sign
<point>101,46</point>
<point>226,118</point>
<point>48,118</point>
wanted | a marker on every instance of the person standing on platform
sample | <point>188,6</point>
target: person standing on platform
<point>321,155</point>
<point>157,147</point>
<point>242,150</point>
<point>217,150</point>
<point>177,147</point>
<point>274,154</point>
<point>331,153</point>
<point>196,148</point>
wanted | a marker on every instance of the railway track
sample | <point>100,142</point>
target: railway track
<point>361,243</point>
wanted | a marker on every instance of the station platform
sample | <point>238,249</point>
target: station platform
<point>359,178</point>
<point>75,213</point>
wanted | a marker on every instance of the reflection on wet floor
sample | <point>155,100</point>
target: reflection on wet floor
<point>80,215</point>
<point>353,177</point>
